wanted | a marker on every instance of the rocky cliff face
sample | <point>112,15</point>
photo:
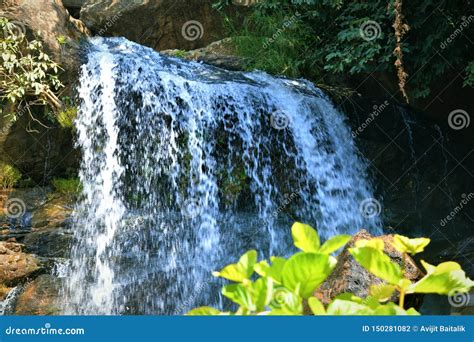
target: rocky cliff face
<point>159,24</point>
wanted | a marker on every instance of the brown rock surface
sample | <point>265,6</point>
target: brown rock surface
<point>159,24</point>
<point>16,266</point>
<point>39,297</point>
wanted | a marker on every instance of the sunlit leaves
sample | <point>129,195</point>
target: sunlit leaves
<point>241,270</point>
<point>306,271</point>
<point>305,237</point>
<point>410,246</point>
<point>442,279</point>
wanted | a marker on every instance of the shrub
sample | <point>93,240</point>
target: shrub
<point>68,187</point>
<point>28,76</point>
<point>285,286</point>
<point>9,176</point>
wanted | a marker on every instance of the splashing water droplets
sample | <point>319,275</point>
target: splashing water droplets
<point>183,170</point>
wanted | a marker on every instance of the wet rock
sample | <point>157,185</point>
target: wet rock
<point>16,266</point>
<point>39,297</point>
<point>349,276</point>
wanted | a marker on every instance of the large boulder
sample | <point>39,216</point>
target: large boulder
<point>159,24</point>
<point>39,297</point>
<point>16,266</point>
<point>48,20</point>
<point>220,54</point>
<point>349,276</point>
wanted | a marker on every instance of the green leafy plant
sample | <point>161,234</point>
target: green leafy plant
<point>325,39</point>
<point>68,187</point>
<point>28,76</point>
<point>286,286</point>
<point>9,176</point>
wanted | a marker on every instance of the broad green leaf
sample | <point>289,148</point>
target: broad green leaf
<point>308,270</point>
<point>374,243</point>
<point>377,263</point>
<point>305,237</point>
<point>382,292</point>
<point>444,279</point>
<point>334,244</point>
<point>317,308</point>
<point>391,309</point>
<point>204,311</point>
<point>346,296</point>
<point>239,294</point>
<point>343,307</point>
<point>262,293</point>
<point>411,246</point>
<point>241,270</point>
<point>272,271</point>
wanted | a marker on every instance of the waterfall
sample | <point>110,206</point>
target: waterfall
<point>186,166</point>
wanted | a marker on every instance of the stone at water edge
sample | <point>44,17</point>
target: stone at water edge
<point>349,276</point>
<point>40,297</point>
<point>16,266</point>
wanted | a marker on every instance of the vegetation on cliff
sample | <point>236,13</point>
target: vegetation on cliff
<point>315,39</point>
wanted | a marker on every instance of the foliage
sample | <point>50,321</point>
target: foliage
<point>9,176</point>
<point>66,117</point>
<point>28,76</point>
<point>314,39</point>
<point>68,187</point>
<point>286,286</point>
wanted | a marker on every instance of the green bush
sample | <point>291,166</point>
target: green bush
<point>286,286</point>
<point>319,39</point>
<point>9,176</point>
<point>28,76</point>
<point>68,187</point>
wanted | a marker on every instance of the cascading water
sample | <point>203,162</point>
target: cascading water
<point>187,166</point>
